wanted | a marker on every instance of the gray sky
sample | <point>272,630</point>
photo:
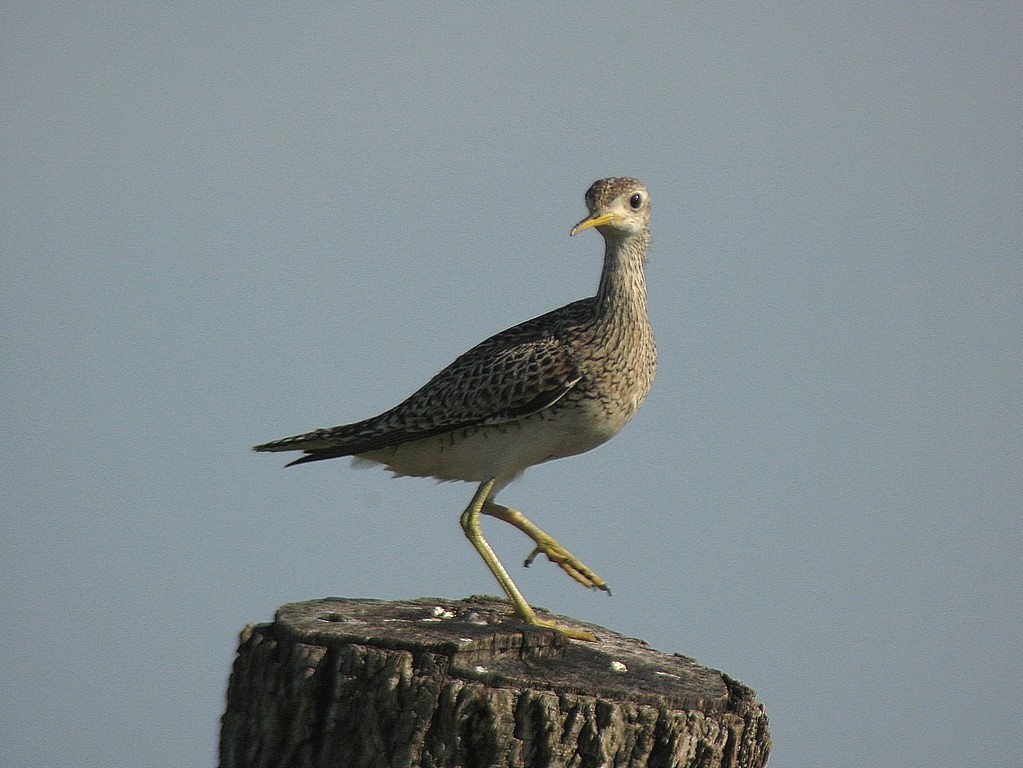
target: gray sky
<point>225,224</point>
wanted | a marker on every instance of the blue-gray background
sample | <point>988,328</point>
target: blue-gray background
<point>225,224</point>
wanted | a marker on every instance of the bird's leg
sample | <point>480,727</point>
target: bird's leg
<point>545,544</point>
<point>471,525</point>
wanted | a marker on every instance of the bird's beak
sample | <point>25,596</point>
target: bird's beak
<point>592,221</point>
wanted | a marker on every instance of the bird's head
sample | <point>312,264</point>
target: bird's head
<point>619,207</point>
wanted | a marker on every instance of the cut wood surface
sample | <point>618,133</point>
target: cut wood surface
<point>433,682</point>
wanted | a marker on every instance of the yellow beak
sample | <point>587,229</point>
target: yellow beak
<point>592,221</point>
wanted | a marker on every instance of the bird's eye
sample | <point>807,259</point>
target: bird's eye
<point>636,201</point>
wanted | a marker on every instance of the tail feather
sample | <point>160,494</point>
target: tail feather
<point>319,441</point>
<point>309,441</point>
<point>333,443</point>
<point>319,456</point>
<point>353,439</point>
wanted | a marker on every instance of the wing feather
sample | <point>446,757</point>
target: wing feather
<point>513,374</point>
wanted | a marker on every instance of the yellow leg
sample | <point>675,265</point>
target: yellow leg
<point>545,544</point>
<point>471,525</point>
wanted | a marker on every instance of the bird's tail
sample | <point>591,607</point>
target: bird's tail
<point>320,444</point>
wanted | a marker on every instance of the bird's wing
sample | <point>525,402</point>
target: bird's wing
<point>513,374</point>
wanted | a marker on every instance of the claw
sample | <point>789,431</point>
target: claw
<point>568,563</point>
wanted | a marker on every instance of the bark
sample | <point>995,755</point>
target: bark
<point>370,684</point>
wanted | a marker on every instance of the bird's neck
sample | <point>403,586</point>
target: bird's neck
<point>622,291</point>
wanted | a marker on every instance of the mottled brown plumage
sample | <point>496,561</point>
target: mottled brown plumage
<point>554,386</point>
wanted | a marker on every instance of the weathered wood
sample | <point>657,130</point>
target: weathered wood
<point>429,682</point>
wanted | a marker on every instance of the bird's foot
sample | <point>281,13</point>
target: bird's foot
<point>533,620</point>
<point>568,562</point>
<point>546,545</point>
<point>575,634</point>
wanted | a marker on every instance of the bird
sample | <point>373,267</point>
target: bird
<point>554,386</point>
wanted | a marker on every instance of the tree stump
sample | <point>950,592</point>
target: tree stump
<point>431,682</point>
